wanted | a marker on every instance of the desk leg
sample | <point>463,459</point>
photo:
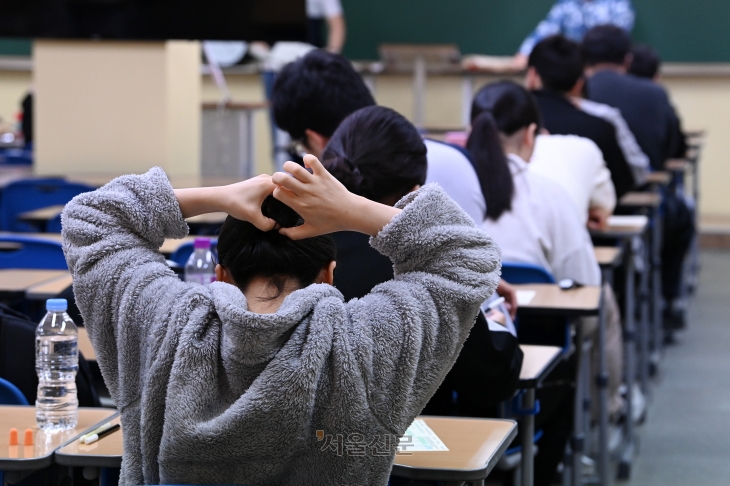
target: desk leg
<point>528,434</point>
<point>419,91</point>
<point>643,334</point>
<point>657,304</point>
<point>247,164</point>
<point>577,444</point>
<point>467,93</point>
<point>602,384</point>
<point>627,454</point>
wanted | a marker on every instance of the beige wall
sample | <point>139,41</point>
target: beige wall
<point>113,107</point>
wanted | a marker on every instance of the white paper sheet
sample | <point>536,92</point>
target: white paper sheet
<point>637,221</point>
<point>524,297</point>
<point>420,438</point>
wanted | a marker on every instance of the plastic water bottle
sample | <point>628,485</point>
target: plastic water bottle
<point>200,267</point>
<point>56,363</point>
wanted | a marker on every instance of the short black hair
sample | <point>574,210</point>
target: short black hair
<point>317,92</point>
<point>606,44</point>
<point>645,62</point>
<point>558,61</point>
<point>247,252</point>
<point>378,154</point>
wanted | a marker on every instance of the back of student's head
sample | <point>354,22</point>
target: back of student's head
<point>645,61</point>
<point>378,154</point>
<point>247,253</point>
<point>606,44</point>
<point>498,110</point>
<point>317,92</point>
<point>559,62</point>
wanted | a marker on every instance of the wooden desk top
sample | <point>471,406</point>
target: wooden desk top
<point>85,345</point>
<point>552,300</point>
<point>168,246</point>
<point>623,227</point>
<point>660,178</point>
<point>538,362</point>
<point>50,288</point>
<point>677,165</point>
<point>208,218</point>
<point>231,105</point>
<point>178,182</point>
<point>39,455</point>
<point>608,256</point>
<point>20,280</point>
<point>106,452</point>
<point>42,214</point>
<point>475,446</point>
<point>641,200</point>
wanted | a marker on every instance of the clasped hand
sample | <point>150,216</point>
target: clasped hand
<point>321,200</point>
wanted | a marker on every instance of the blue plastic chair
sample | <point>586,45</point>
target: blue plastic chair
<point>27,195</point>
<point>525,273</point>
<point>181,255</point>
<point>10,394</point>
<point>32,253</point>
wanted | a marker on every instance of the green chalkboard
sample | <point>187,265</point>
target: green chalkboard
<point>681,30</point>
<point>15,47</point>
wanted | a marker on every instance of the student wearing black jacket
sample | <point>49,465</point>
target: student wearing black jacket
<point>378,154</point>
<point>555,71</point>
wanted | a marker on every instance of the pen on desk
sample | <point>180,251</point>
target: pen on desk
<point>94,437</point>
<point>495,304</point>
<point>97,430</point>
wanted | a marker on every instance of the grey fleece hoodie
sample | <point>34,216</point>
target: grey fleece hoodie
<point>212,393</point>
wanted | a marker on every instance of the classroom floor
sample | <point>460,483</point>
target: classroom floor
<point>686,439</point>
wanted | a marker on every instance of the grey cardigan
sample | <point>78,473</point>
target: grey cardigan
<point>212,393</point>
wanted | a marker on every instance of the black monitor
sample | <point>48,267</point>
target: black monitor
<point>266,20</point>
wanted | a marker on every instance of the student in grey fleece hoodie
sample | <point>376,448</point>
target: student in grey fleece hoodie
<point>213,392</point>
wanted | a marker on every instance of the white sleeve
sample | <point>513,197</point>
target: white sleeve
<point>572,255</point>
<point>332,8</point>
<point>603,193</point>
<point>450,169</point>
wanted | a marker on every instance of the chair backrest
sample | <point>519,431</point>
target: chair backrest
<point>525,273</point>
<point>27,195</point>
<point>32,253</point>
<point>181,255</point>
<point>10,394</point>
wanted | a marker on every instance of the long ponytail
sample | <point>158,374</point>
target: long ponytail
<point>503,107</point>
<point>491,165</point>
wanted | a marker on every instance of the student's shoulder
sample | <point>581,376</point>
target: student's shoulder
<point>442,150</point>
<point>572,144</point>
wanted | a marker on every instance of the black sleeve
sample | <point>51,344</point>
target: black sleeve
<point>485,374</point>
<point>621,175</point>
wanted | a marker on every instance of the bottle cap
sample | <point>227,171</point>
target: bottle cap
<point>201,243</point>
<point>56,305</point>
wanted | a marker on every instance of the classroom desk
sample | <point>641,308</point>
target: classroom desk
<point>608,258</point>
<point>551,300</point>
<point>106,452</point>
<point>85,346</point>
<point>50,288</point>
<point>625,229</point>
<point>537,364</point>
<point>168,246</point>
<point>660,178</point>
<point>475,447</point>
<point>677,165</point>
<point>19,281</point>
<point>40,455</point>
<point>41,216</point>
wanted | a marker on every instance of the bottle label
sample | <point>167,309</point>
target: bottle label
<point>200,278</point>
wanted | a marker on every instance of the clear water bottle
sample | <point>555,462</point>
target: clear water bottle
<point>200,267</point>
<point>56,363</point>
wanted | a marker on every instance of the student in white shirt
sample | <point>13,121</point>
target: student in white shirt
<point>577,165</point>
<point>531,217</point>
<point>329,12</point>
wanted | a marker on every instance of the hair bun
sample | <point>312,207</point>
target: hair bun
<point>284,216</point>
<point>346,172</point>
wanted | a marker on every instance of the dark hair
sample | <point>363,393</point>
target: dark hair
<point>606,44</point>
<point>559,62</point>
<point>376,153</point>
<point>317,92</point>
<point>247,252</point>
<point>645,62</point>
<point>501,107</point>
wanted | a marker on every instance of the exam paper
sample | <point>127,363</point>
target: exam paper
<point>420,438</point>
<point>524,297</point>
